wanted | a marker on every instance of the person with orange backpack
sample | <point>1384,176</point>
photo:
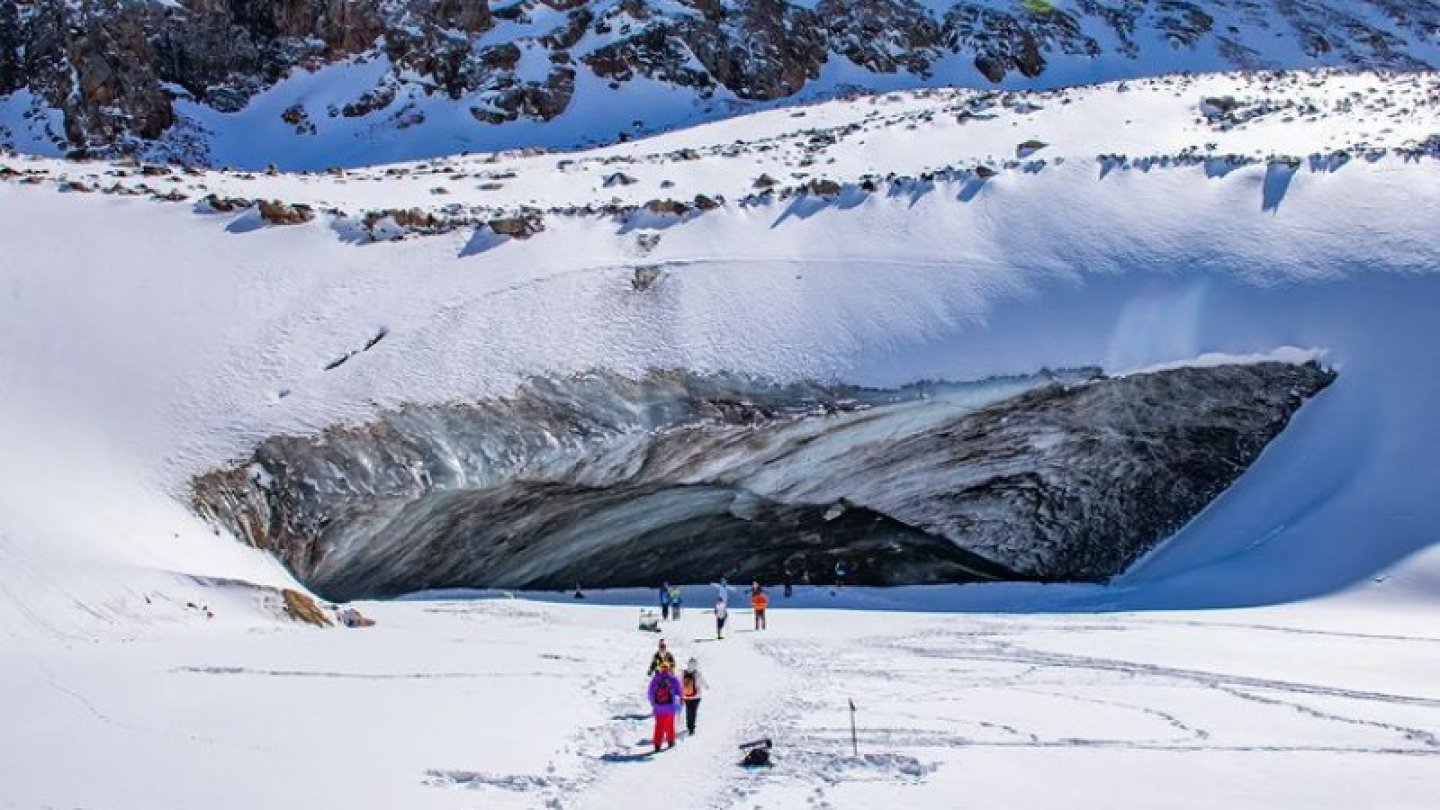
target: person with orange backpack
<point>759,601</point>
<point>692,683</point>
<point>665,699</point>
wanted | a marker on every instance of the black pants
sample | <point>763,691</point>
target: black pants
<point>692,708</point>
<point>675,611</point>
<point>664,610</point>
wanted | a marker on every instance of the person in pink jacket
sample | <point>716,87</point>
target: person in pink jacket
<point>665,697</point>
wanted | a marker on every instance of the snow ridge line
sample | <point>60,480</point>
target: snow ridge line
<point>505,224</point>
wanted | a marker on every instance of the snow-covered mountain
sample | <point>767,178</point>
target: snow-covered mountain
<point>1163,344</point>
<point>312,84</point>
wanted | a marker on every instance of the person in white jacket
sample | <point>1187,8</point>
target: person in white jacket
<point>692,684</point>
<point>720,613</point>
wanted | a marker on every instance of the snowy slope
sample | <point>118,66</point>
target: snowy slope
<point>1309,116</point>
<point>145,341</point>
<point>148,344</point>
<point>512,704</point>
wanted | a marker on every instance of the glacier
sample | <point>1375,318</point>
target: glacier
<point>612,482</point>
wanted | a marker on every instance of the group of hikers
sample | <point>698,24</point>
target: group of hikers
<point>669,694</point>
<point>671,600</point>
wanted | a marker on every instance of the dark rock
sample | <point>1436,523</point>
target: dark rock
<point>521,227</point>
<point>1029,148</point>
<point>644,278</point>
<point>113,67</point>
<point>667,207</point>
<point>275,212</point>
<point>820,187</point>
<point>225,205</point>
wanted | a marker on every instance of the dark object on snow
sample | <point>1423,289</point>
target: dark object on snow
<point>757,753</point>
<point>350,617</point>
<point>854,738</point>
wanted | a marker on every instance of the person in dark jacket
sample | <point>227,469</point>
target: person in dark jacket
<point>664,693</point>
<point>664,600</point>
<point>662,658</point>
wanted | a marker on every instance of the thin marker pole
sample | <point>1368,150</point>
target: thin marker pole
<point>854,741</point>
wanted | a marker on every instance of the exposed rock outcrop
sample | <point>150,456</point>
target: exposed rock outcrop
<point>115,68</point>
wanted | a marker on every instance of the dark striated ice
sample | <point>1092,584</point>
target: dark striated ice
<point>609,481</point>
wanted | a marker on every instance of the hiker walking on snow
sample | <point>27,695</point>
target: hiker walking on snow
<point>664,695</point>
<point>721,612</point>
<point>789,580</point>
<point>675,601</point>
<point>661,659</point>
<point>759,601</point>
<point>664,600</point>
<point>840,573</point>
<point>692,683</point>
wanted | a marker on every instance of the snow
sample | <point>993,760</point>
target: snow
<point>1277,652</point>
<point>903,133</point>
<point>515,704</point>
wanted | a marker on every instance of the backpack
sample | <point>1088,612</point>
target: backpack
<point>756,758</point>
<point>662,694</point>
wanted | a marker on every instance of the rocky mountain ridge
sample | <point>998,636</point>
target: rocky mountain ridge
<point>165,78</point>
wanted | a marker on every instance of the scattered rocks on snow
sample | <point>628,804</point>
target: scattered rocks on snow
<point>350,617</point>
<point>225,205</point>
<point>667,207</point>
<point>644,278</point>
<point>517,227</point>
<point>275,212</point>
<point>1029,148</point>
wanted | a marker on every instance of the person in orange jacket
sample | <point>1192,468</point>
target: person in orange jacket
<point>759,601</point>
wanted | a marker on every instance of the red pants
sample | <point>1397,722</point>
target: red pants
<point>664,728</point>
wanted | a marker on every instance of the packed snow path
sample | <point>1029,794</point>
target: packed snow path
<point>521,704</point>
